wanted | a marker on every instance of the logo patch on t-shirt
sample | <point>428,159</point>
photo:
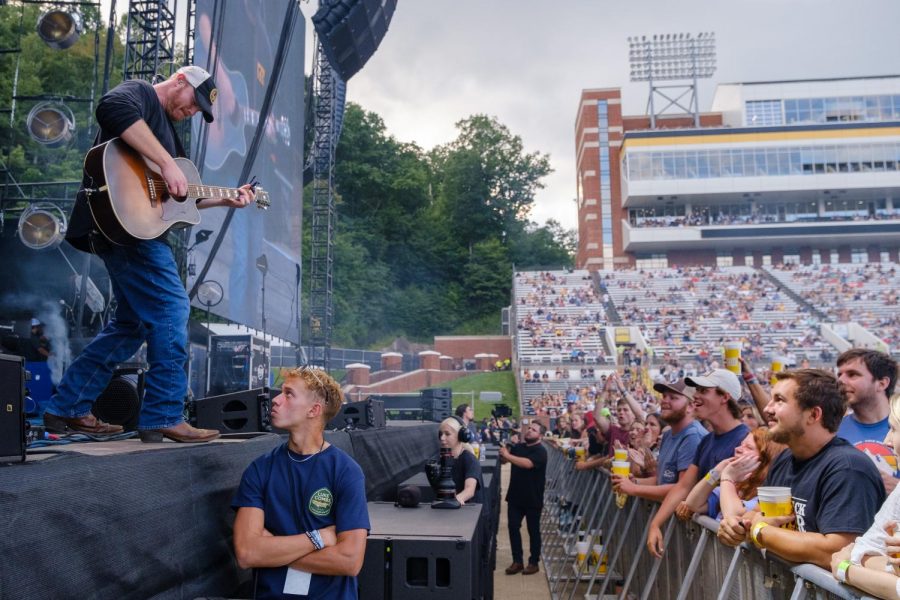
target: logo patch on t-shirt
<point>320,502</point>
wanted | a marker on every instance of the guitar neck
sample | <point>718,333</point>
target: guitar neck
<point>211,191</point>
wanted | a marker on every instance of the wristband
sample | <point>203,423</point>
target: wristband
<point>605,412</point>
<point>316,538</point>
<point>712,478</point>
<point>749,377</point>
<point>841,572</point>
<point>754,533</point>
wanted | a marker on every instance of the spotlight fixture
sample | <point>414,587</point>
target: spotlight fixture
<point>59,28</point>
<point>42,226</point>
<point>51,124</point>
<point>210,293</point>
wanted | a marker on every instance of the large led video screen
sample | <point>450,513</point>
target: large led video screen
<point>257,262</point>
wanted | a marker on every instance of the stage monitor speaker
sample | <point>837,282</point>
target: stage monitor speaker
<point>237,363</point>
<point>359,415</point>
<point>120,403</point>
<point>413,554</point>
<point>437,404</point>
<point>350,31</point>
<point>238,412</point>
<point>12,408</point>
<point>438,393</point>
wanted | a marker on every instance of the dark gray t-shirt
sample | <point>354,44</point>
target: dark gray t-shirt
<point>119,109</point>
<point>838,490</point>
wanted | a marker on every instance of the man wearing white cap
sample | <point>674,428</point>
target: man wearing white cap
<point>715,401</point>
<point>152,304</point>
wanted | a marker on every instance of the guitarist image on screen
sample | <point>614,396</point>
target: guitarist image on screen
<point>152,304</point>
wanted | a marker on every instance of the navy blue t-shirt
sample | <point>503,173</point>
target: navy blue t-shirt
<point>838,490</point>
<point>327,489</point>
<point>714,448</point>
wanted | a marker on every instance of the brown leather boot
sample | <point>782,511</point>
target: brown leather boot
<point>86,424</point>
<point>514,568</point>
<point>182,432</point>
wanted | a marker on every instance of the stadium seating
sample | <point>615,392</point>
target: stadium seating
<point>865,293</point>
<point>690,313</point>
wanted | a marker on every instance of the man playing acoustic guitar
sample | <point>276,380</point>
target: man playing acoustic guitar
<point>152,304</point>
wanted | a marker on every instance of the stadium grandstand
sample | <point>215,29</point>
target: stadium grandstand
<point>803,171</point>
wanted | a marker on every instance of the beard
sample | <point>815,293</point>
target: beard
<point>674,416</point>
<point>783,434</point>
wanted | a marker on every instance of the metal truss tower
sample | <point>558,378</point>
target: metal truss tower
<point>321,310</point>
<point>149,38</point>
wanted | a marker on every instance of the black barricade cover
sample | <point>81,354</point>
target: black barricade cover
<point>391,455</point>
<point>137,525</point>
<point>341,440</point>
<point>157,523</point>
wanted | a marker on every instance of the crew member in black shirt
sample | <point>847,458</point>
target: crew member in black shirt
<point>525,497</point>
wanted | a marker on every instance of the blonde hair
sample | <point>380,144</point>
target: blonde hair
<point>322,385</point>
<point>895,409</point>
<point>455,424</point>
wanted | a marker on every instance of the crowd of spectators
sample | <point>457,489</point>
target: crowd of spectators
<point>868,294</point>
<point>706,444</point>
<point>691,312</point>
<point>559,316</point>
<point>700,217</point>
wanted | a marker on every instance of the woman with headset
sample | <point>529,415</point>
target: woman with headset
<point>453,434</point>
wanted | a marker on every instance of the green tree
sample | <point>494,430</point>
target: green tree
<point>488,181</point>
<point>548,245</point>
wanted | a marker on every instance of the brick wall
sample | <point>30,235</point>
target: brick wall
<point>405,383</point>
<point>466,347</point>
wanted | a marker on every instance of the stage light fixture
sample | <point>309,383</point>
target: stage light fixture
<point>210,293</point>
<point>51,124</point>
<point>42,226</point>
<point>60,28</point>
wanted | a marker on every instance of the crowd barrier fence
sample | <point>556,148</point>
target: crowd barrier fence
<point>581,505</point>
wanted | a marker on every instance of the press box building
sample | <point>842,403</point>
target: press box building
<point>801,171</point>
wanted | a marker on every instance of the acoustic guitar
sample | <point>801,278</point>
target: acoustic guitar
<point>129,199</point>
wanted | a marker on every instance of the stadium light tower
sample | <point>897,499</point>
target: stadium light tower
<point>668,57</point>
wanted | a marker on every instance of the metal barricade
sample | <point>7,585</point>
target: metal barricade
<point>581,504</point>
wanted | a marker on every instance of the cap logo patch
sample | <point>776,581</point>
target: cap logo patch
<point>213,95</point>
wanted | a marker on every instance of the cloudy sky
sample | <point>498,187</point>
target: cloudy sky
<point>526,62</point>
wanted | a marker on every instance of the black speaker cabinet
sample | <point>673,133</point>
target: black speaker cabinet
<point>12,408</point>
<point>237,412</point>
<point>120,403</point>
<point>237,363</point>
<point>436,408</point>
<point>414,553</point>
<point>359,415</point>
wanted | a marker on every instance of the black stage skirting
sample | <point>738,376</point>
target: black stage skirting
<point>155,523</point>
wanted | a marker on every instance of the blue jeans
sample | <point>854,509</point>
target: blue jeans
<point>153,307</point>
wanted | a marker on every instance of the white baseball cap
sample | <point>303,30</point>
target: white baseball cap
<point>723,379</point>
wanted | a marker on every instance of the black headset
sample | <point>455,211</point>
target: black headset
<point>463,435</point>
